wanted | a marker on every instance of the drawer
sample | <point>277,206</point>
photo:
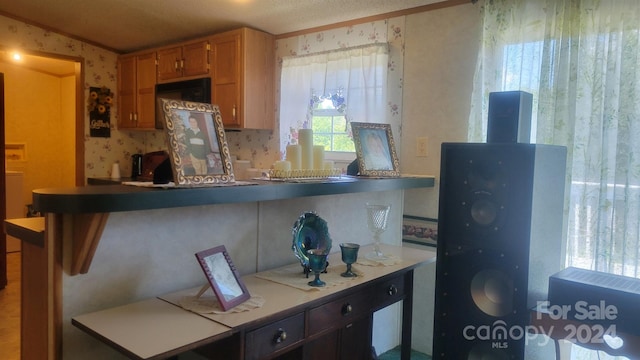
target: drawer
<point>388,292</point>
<point>339,312</point>
<point>262,342</point>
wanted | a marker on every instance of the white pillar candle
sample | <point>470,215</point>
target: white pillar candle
<point>282,165</point>
<point>294,156</point>
<point>305,139</point>
<point>318,157</point>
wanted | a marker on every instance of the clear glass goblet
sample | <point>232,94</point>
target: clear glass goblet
<point>349,256</point>
<point>317,264</point>
<point>377,215</point>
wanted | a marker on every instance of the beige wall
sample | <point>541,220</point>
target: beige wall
<point>40,114</point>
<point>438,75</point>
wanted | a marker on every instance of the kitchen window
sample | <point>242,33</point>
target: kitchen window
<point>329,124</point>
<point>326,91</point>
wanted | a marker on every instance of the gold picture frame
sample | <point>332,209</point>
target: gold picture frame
<point>197,144</point>
<point>375,150</point>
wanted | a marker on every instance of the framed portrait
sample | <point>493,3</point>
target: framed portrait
<point>223,277</point>
<point>375,149</point>
<point>420,230</point>
<point>197,144</point>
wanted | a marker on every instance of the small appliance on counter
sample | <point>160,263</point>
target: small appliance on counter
<point>156,167</point>
<point>136,166</point>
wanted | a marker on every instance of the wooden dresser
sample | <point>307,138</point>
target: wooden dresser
<point>331,323</point>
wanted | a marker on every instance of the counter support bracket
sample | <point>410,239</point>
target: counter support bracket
<point>86,236</point>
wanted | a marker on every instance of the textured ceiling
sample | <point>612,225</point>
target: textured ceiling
<point>128,25</point>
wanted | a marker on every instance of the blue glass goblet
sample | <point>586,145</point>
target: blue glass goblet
<point>317,264</point>
<point>349,256</point>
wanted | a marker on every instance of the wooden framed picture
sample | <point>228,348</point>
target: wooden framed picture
<point>420,230</point>
<point>375,149</point>
<point>223,277</point>
<point>197,144</point>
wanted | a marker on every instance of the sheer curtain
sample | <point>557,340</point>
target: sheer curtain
<point>581,60</point>
<point>359,74</point>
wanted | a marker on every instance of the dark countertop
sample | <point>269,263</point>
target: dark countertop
<point>114,198</point>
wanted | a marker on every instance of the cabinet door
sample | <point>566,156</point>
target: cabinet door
<point>351,342</point>
<point>146,94</point>
<point>169,66</point>
<point>183,61</point>
<point>322,348</point>
<point>258,80</point>
<point>355,340</point>
<point>195,59</point>
<point>126,92</point>
<point>226,78</point>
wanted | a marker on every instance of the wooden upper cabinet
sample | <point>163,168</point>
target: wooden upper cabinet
<point>242,80</point>
<point>183,61</point>
<point>137,91</point>
<point>240,63</point>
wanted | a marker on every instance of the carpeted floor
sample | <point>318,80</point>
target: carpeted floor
<point>394,354</point>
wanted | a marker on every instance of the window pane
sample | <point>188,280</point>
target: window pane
<point>343,143</point>
<point>321,124</point>
<point>339,124</point>
<point>330,127</point>
<point>324,140</point>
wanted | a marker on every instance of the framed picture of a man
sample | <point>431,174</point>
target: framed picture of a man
<point>198,147</point>
<point>375,149</point>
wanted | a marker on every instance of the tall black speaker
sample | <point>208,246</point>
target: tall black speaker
<point>499,239</point>
<point>509,119</point>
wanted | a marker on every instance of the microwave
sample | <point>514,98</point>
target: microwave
<point>196,90</point>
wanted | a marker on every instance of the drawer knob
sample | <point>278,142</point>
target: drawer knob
<point>392,290</point>
<point>347,309</point>
<point>281,336</point>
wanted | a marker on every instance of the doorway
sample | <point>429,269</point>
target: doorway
<point>42,115</point>
<point>41,129</point>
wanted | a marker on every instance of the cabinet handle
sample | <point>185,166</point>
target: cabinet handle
<point>182,64</point>
<point>347,309</point>
<point>233,112</point>
<point>281,336</point>
<point>392,290</point>
<point>135,117</point>
<point>130,116</point>
<point>175,65</point>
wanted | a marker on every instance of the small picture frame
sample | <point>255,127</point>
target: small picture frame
<point>223,277</point>
<point>420,230</point>
<point>197,144</point>
<point>375,150</point>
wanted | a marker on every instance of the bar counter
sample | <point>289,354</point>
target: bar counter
<point>115,198</point>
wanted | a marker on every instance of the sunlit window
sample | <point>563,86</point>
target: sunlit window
<point>329,124</point>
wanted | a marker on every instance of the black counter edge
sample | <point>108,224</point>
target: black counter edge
<point>116,198</point>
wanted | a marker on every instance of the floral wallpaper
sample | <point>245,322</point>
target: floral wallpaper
<point>100,70</point>
<point>258,146</point>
